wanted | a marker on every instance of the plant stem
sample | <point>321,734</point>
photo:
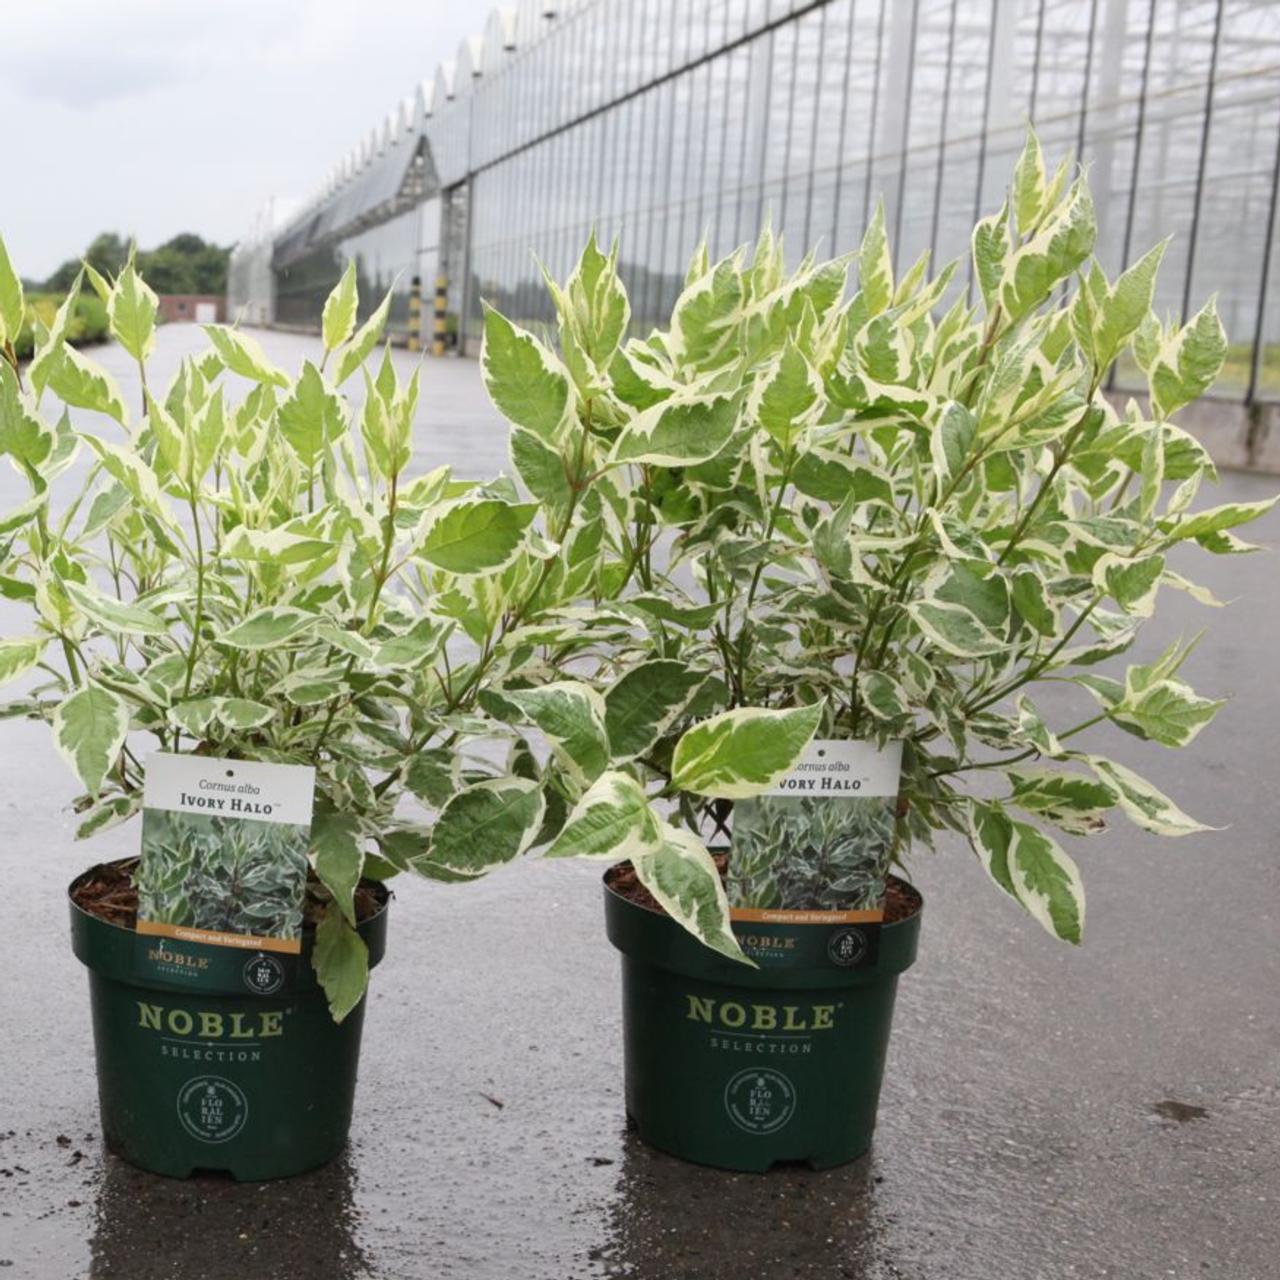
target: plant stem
<point>1022,755</point>
<point>379,581</point>
<point>1039,665</point>
<point>198,620</point>
<point>743,646</point>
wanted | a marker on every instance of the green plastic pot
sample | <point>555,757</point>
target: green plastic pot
<point>745,1068</point>
<point>200,1074</point>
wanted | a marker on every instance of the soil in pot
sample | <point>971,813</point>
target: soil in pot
<point>107,892</point>
<point>901,900</point>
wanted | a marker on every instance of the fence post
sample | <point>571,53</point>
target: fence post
<point>438,320</point>
<point>415,314</point>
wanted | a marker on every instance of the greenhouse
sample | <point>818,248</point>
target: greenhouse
<point>664,121</point>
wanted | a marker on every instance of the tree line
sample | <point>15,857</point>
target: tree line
<point>187,263</point>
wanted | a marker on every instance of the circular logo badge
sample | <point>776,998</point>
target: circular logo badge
<point>846,947</point>
<point>760,1100</point>
<point>212,1109</point>
<point>263,974</point>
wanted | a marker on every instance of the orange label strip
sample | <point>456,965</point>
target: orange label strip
<point>759,915</point>
<point>214,938</point>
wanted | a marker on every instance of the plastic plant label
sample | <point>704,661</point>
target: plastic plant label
<point>223,871</point>
<point>816,847</point>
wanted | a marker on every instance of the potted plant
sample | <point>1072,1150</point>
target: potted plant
<point>881,518</point>
<point>242,568</point>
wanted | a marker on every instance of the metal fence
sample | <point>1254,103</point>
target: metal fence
<point>661,121</point>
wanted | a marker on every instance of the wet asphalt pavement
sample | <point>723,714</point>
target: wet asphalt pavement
<point>1048,1112</point>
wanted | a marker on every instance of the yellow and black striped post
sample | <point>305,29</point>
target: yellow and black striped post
<point>438,320</point>
<point>415,314</point>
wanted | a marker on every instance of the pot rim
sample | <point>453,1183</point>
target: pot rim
<point>649,937</point>
<point>809,924</point>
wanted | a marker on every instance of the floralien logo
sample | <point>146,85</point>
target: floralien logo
<point>760,1100</point>
<point>263,974</point>
<point>212,1109</point>
<point>846,947</point>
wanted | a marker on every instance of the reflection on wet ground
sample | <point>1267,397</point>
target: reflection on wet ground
<point>671,1220</point>
<point>146,1227</point>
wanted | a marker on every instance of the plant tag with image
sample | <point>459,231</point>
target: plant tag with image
<point>223,872</point>
<point>815,848</point>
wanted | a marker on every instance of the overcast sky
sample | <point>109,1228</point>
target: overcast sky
<point>150,117</point>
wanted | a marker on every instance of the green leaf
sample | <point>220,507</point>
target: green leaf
<point>540,467</point>
<point>341,962</point>
<point>526,383</point>
<point>338,320</point>
<point>951,442</point>
<point>707,316</point>
<point>990,832</point>
<point>1148,807</point>
<point>692,616</point>
<point>832,477</point>
<point>883,696</point>
<point>1033,728</point>
<point>23,434</point>
<point>1031,601</point>
<point>1029,184</point>
<point>243,713</point>
<point>679,432</point>
<point>1126,306</point>
<point>50,351</point>
<point>79,382</point>
<point>414,648</point>
<point>1063,241</point>
<point>474,535</point>
<point>786,396</point>
<point>429,775</point>
<point>991,247</point>
<point>107,813</point>
<point>1204,525</point>
<point>337,853</point>
<point>1046,881</point>
<point>19,655</point>
<point>244,355</point>
<point>354,354</point>
<point>1169,712</point>
<point>611,822</point>
<point>12,308</point>
<point>112,614</point>
<point>126,466</point>
<point>954,629</point>
<point>1188,362</point>
<point>598,303</point>
<point>487,824</point>
<point>89,728</point>
<point>274,546</point>
<point>741,753</point>
<point>131,310</point>
<point>1132,584</point>
<point>266,628</point>
<point>875,265</point>
<point>642,705</point>
<point>682,876</point>
<point>311,417</point>
<point>1071,802</point>
<point>101,285</point>
<point>195,715</point>
<point>572,715</point>
<point>387,422</point>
